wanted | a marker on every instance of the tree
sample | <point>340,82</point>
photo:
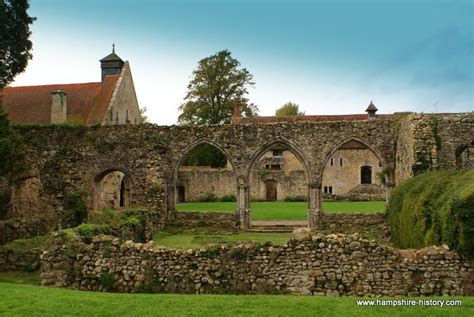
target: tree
<point>205,155</point>
<point>15,44</point>
<point>143,115</point>
<point>289,109</point>
<point>216,86</point>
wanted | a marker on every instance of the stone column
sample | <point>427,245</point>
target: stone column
<point>243,204</point>
<point>315,211</point>
<point>388,192</point>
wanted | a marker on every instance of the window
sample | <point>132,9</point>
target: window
<point>276,167</point>
<point>126,117</point>
<point>366,175</point>
<point>116,118</point>
<point>328,190</point>
<point>340,161</point>
<point>332,162</point>
<point>277,152</point>
<point>111,116</point>
<point>380,164</point>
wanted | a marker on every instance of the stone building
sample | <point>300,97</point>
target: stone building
<point>111,101</point>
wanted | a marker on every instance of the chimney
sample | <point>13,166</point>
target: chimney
<point>237,113</point>
<point>58,106</point>
<point>371,110</point>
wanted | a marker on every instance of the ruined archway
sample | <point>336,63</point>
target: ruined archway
<point>278,171</point>
<point>354,170</point>
<point>195,181</point>
<point>112,189</point>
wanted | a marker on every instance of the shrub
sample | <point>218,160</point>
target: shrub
<point>434,208</point>
<point>86,231</point>
<point>295,198</point>
<point>209,197</point>
<point>107,281</point>
<point>228,198</point>
<point>74,202</point>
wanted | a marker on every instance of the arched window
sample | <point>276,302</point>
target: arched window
<point>366,174</point>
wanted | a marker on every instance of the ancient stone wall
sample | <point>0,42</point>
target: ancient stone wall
<point>311,265</point>
<point>63,159</point>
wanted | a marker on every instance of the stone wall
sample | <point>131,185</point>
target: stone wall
<point>193,220</point>
<point>63,159</point>
<point>17,259</point>
<point>311,265</point>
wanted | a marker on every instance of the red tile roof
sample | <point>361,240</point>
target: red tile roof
<point>32,104</point>
<point>343,117</point>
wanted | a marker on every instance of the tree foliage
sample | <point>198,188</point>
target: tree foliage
<point>289,109</point>
<point>15,43</point>
<point>11,149</point>
<point>216,86</point>
<point>205,155</point>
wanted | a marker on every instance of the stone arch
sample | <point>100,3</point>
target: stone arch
<point>374,150</point>
<point>244,205</point>
<point>389,175</point>
<point>124,187</point>
<point>182,156</point>
<point>464,156</point>
<point>276,141</point>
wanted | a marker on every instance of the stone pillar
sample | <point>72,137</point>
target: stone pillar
<point>243,207</point>
<point>315,211</point>
<point>243,203</point>
<point>58,106</point>
<point>388,192</point>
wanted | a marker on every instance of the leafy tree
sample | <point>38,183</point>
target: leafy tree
<point>205,155</point>
<point>15,44</point>
<point>143,115</point>
<point>289,109</point>
<point>216,86</point>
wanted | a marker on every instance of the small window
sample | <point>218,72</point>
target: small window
<point>330,189</point>
<point>276,167</point>
<point>277,152</point>
<point>380,164</point>
<point>116,118</point>
<point>267,167</point>
<point>332,162</point>
<point>126,117</point>
<point>340,161</point>
<point>325,189</point>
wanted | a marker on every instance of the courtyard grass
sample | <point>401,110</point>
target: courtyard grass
<point>28,300</point>
<point>285,210</point>
<point>175,238</point>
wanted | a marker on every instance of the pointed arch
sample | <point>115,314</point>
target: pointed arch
<point>294,149</point>
<point>125,187</point>
<point>193,145</point>
<point>331,153</point>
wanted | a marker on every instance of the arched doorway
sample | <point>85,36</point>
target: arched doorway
<point>354,178</point>
<point>112,190</point>
<point>204,173</point>
<point>277,187</point>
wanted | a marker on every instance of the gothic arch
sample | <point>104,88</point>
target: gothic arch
<point>125,192</point>
<point>294,149</point>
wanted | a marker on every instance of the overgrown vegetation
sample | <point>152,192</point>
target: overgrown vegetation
<point>12,151</point>
<point>74,203</point>
<point>434,208</point>
<point>295,198</point>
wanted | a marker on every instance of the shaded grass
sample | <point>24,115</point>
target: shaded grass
<point>285,210</point>
<point>32,278</point>
<point>176,238</point>
<point>27,300</point>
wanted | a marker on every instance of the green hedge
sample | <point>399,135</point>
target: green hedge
<point>434,208</point>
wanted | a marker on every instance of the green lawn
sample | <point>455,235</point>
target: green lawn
<point>28,300</point>
<point>286,210</point>
<point>201,237</point>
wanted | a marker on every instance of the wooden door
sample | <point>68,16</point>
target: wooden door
<point>271,190</point>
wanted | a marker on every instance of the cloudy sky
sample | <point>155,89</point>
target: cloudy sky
<point>330,57</point>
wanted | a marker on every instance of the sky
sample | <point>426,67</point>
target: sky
<point>330,57</point>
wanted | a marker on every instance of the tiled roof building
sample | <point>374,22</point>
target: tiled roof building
<point>111,101</point>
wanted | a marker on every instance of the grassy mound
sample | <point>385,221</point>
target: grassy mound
<point>434,208</point>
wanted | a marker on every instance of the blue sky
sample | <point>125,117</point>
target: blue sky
<point>330,57</point>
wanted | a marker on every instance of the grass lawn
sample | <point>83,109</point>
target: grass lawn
<point>28,300</point>
<point>286,210</point>
<point>173,238</point>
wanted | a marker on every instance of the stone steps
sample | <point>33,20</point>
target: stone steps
<point>276,226</point>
